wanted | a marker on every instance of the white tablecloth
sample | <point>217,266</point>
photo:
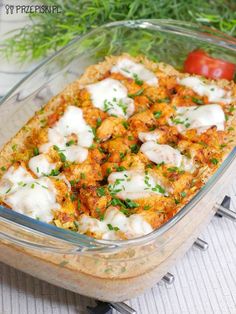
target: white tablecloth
<point>205,281</point>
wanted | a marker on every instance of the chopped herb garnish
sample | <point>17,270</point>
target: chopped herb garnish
<point>146,207</point>
<point>159,188</point>
<point>138,93</point>
<point>101,150</point>
<point>231,108</point>
<point>130,138</point>
<point>183,194</point>
<point>173,169</point>
<point>35,151</point>
<point>160,164</point>
<point>3,168</point>
<point>197,101</point>
<point>110,227</point>
<point>177,121</point>
<point>54,172</point>
<point>137,80</point>
<point>122,155</point>
<point>120,168</point>
<point>166,99</point>
<point>214,161</point>
<point>108,171</point>
<point>157,114</point>
<point>130,204</point>
<point>71,142</point>
<point>72,197</point>
<point>62,156</point>
<point>101,191</point>
<point>82,175</point>
<point>125,124</point>
<point>14,147</point>
<point>98,122</point>
<point>134,148</point>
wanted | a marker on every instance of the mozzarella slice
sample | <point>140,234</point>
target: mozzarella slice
<point>149,136</point>
<point>212,91</point>
<point>199,117</point>
<point>132,226</point>
<point>71,123</point>
<point>134,184</point>
<point>14,177</point>
<point>35,198</point>
<point>111,96</point>
<point>164,153</point>
<point>132,69</point>
<point>40,165</point>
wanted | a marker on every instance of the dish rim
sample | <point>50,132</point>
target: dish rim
<point>85,243</point>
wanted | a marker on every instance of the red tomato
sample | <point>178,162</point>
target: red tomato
<point>199,62</point>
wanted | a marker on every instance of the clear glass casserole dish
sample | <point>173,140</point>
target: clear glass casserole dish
<point>104,269</point>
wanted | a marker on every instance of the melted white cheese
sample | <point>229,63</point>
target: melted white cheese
<point>35,198</point>
<point>164,153</point>
<point>199,117</point>
<point>132,69</point>
<point>12,178</point>
<point>212,91</point>
<point>111,96</point>
<point>71,123</point>
<point>134,184</point>
<point>132,226</point>
<point>40,165</point>
<point>149,136</point>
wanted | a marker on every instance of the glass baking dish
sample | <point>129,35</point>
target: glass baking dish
<point>104,269</point>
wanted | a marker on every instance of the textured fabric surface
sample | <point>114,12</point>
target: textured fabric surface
<point>205,282</point>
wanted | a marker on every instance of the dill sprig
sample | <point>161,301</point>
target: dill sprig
<point>49,32</point>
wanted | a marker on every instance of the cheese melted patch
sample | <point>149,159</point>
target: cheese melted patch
<point>71,123</point>
<point>40,165</point>
<point>149,136</point>
<point>212,91</point>
<point>135,70</point>
<point>200,118</point>
<point>115,222</point>
<point>134,184</point>
<point>111,96</point>
<point>161,153</point>
<point>35,198</point>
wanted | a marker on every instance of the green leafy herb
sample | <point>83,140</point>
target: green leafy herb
<point>120,168</point>
<point>166,99</point>
<point>14,147</point>
<point>125,124</point>
<point>157,114</point>
<point>98,122</point>
<point>35,151</point>
<point>54,172</point>
<point>130,204</point>
<point>110,227</point>
<point>35,40</point>
<point>197,101</point>
<point>214,161</point>
<point>70,143</point>
<point>134,148</point>
<point>101,191</point>
<point>137,80</point>
<point>138,93</point>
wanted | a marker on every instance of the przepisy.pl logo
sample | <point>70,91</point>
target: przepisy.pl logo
<point>11,9</point>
